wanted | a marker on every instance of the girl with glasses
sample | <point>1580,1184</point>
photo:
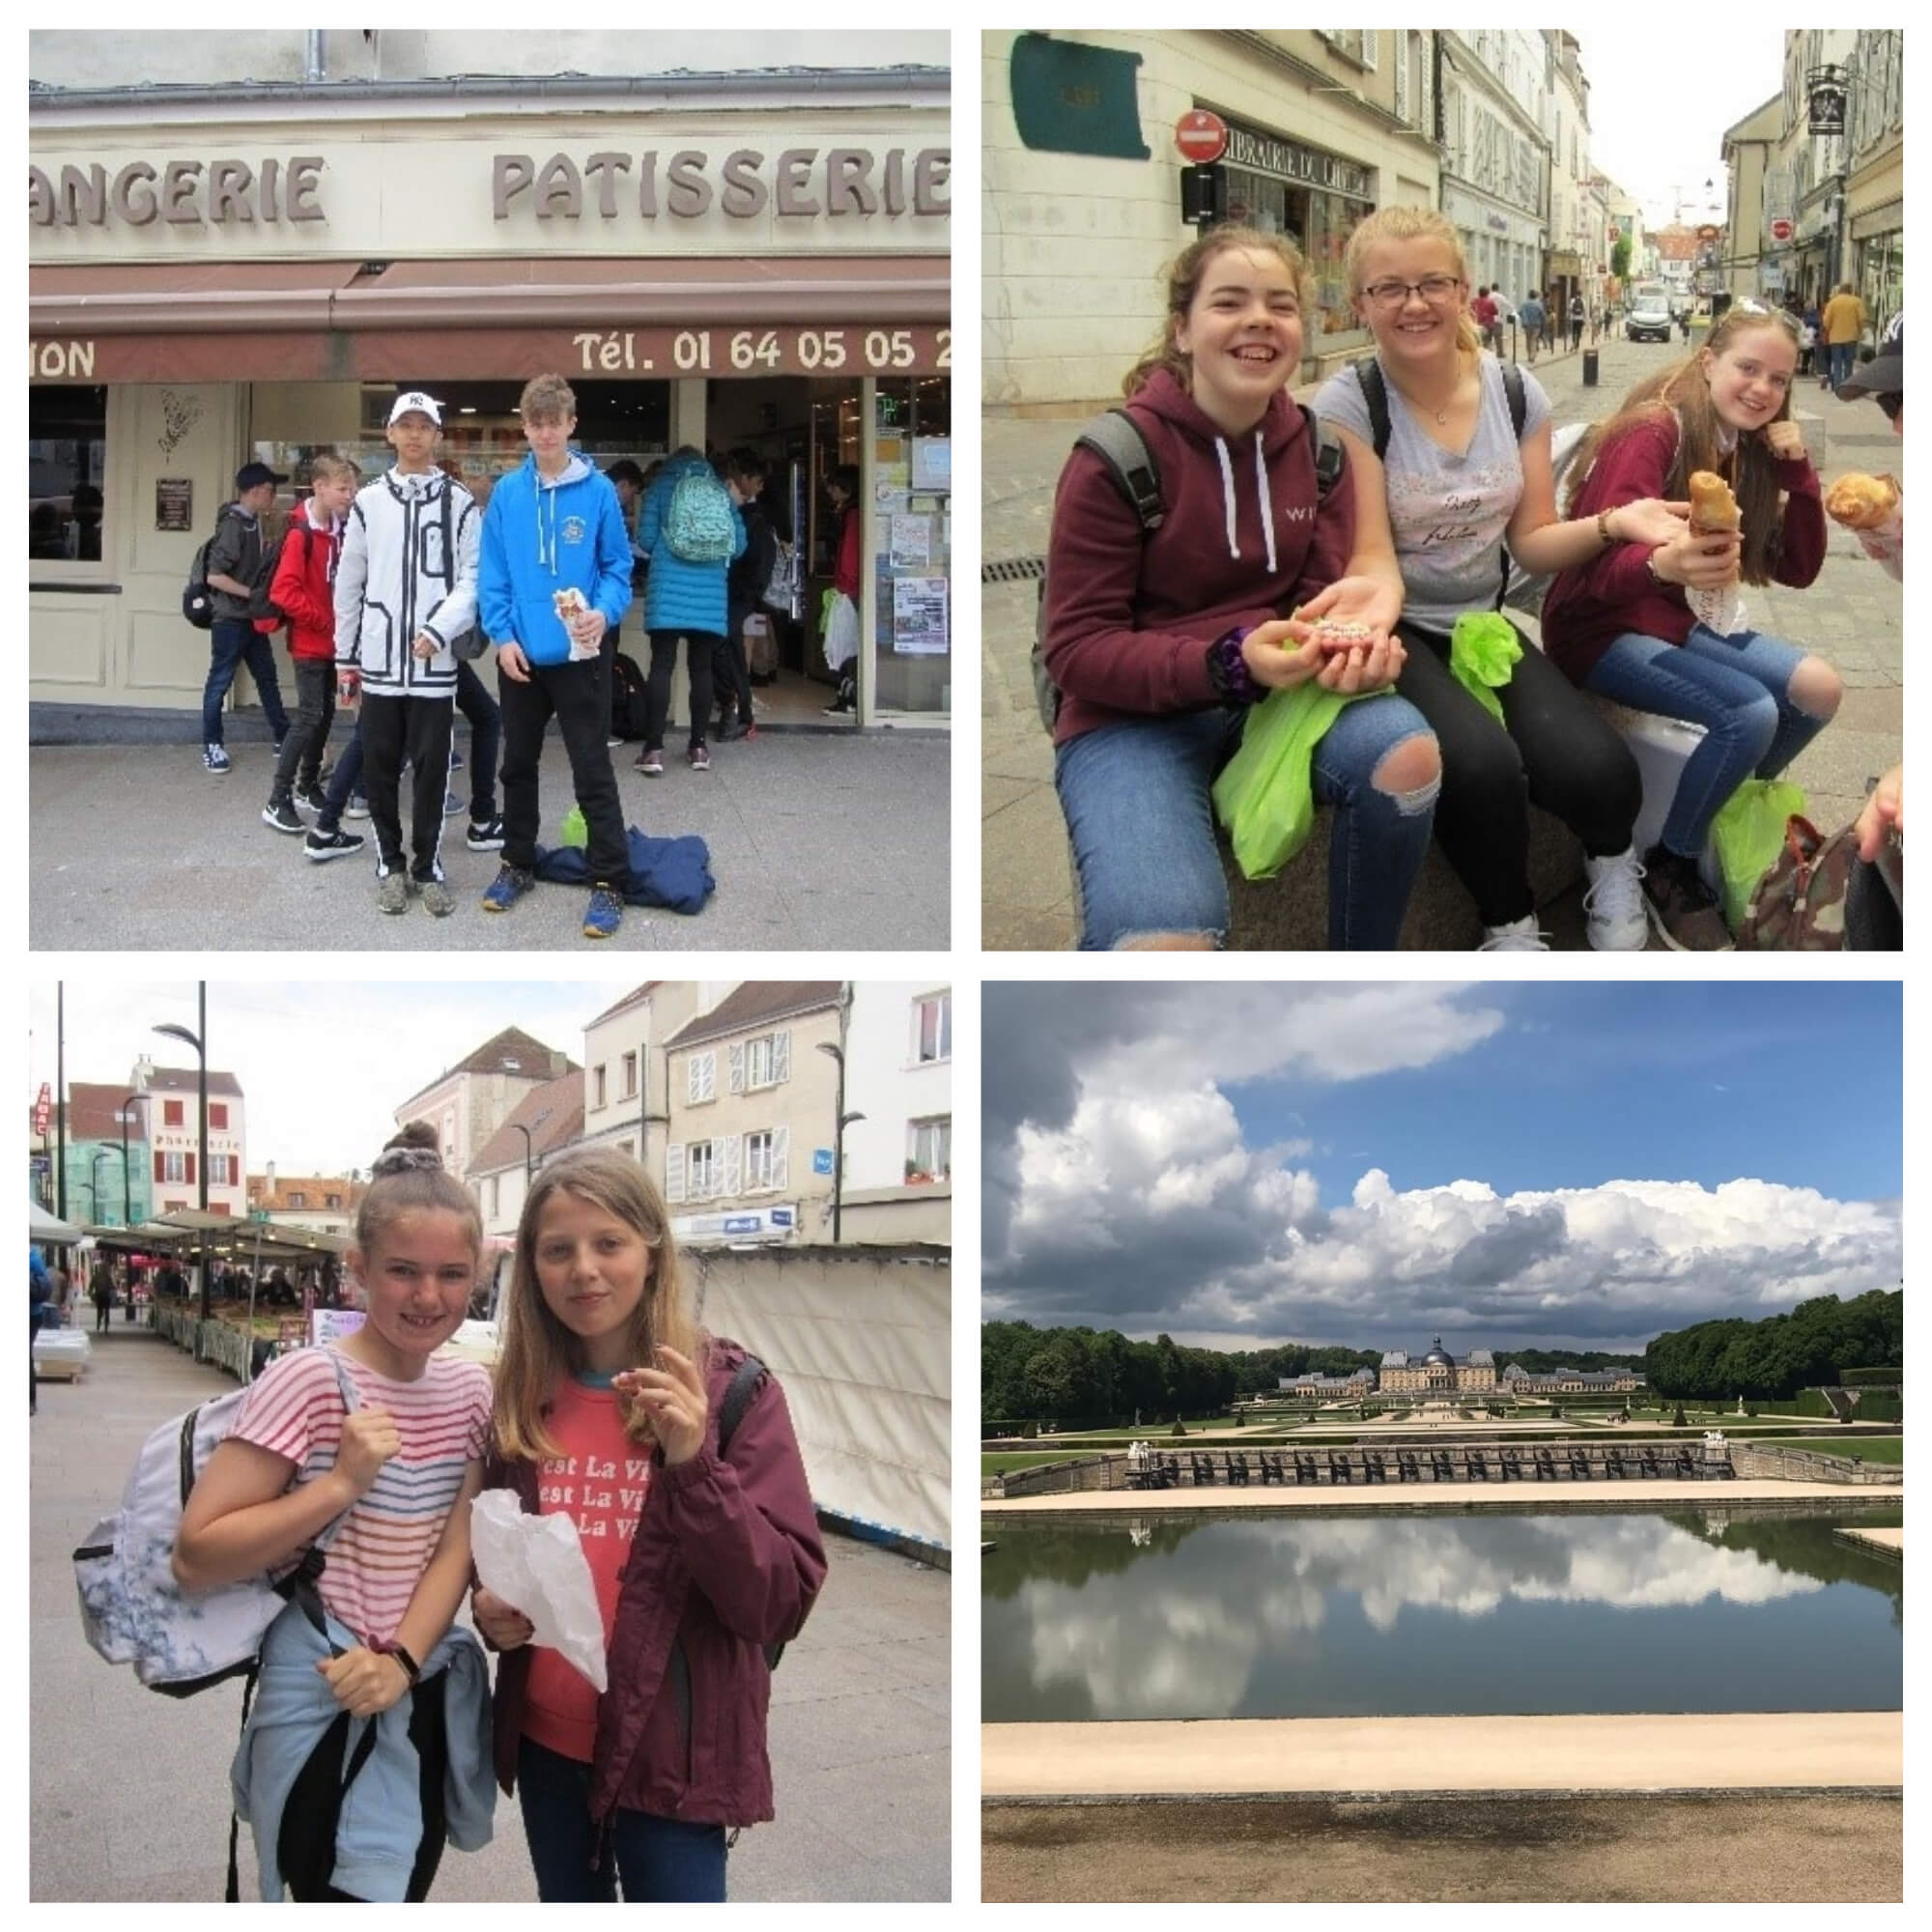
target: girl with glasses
<point>1621,624</point>
<point>1455,493</point>
<point>1159,643</point>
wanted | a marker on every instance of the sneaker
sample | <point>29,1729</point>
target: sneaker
<point>452,805</point>
<point>312,795</point>
<point>393,893</point>
<point>358,806</point>
<point>739,728</point>
<point>611,744</point>
<point>509,885</point>
<point>1682,907</point>
<point>698,759</point>
<point>437,897</point>
<point>215,759</point>
<point>486,834</point>
<point>282,741</point>
<point>321,846</point>
<point>651,765</point>
<point>455,759</point>
<point>1614,902</point>
<point>604,914</point>
<point>1519,935</point>
<point>283,816</point>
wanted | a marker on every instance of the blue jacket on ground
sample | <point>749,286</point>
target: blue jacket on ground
<point>381,1825</point>
<point>539,536</point>
<point>670,872</point>
<point>679,595</point>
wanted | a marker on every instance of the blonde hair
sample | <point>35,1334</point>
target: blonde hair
<point>409,1177</point>
<point>538,1350</point>
<point>331,469</point>
<point>547,396</point>
<point>1183,284</point>
<point>1401,223</point>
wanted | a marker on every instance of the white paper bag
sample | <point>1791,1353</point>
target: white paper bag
<point>536,1564</point>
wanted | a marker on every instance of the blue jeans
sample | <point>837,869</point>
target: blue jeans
<point>1737,688</point>
<point>1844,355</point>
<point>661,1861</point>
<point>346,784</point>
<point>1136,796</point>
<point>235,641</point>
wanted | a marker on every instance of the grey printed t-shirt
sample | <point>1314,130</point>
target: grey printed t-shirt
<point>1447,513</point>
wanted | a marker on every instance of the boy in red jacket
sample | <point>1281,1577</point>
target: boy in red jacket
<point>303,589</point>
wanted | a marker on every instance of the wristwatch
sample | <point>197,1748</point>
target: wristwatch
<point>1229,669</point>
<point>412,1669</point>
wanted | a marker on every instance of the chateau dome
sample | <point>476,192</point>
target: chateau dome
<point>1439,1355</point>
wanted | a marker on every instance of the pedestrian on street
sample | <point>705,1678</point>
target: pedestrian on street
<point>395,1476</point>
<point>1576,320</point>
<point>1534,316</point>
<point>1445,475</point>
<point>1159,643</point>
<point>705,1554</point>
<point>1622,626</point>
<point>1484,310</point>
<point>234,562</point>
<point>1807,339</point>
<point>1844,322</point>
<point>842,608</point>
<point>39,1303</point>
<point>101,1291</point>
<point>749,575</point>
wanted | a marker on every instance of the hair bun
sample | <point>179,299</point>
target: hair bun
<point>404,1160</point>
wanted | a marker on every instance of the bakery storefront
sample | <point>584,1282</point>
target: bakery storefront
<point>205,295</point>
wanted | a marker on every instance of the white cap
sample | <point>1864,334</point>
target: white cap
<point>415,399</point>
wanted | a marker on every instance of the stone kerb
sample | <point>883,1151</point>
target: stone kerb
<point>1810,1466</point>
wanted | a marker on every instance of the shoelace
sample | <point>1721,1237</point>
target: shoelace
<point>1513,941</point>
<point>1618,894</point>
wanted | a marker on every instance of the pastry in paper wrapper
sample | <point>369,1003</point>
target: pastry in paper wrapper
<point>569,605</point>
<point>1713,510</point>
<point>536,1564</point>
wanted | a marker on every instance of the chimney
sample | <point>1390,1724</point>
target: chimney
<point>268,1186</point>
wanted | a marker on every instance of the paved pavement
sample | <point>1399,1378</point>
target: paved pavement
<point>1854,615</point>
<point>129,1788</point>
<point>1334,1757</point>
<point>816,840</point>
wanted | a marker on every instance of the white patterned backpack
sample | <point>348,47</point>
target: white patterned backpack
<point>132,1608</point>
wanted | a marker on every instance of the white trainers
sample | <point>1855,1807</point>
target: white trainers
<point>1519,935</point>
<point>1614,902</point>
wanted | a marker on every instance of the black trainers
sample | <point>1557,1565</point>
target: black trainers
<point>283,816</point>
<point>1683,909</point>
<point>312,795</point>
<point>321,846</point>
<point>486,834</point>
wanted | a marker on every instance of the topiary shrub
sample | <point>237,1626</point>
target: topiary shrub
<point>1180,1428</point>
<point>1678,1418</point>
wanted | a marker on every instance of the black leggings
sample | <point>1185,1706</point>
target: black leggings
<point>1555,752</point>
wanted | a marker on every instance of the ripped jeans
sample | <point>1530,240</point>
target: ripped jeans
<point>1136,797</point>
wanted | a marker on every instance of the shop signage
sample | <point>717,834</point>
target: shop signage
<point>1827,100</point>
<point>195,194</point>
<point>1268,155</point>
<point>174,510</point>
<point>759,352</point>
<point>44,1108</point>
<point>803,181</point>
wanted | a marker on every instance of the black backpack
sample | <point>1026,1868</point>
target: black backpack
<point>630,713</point>
<point>197,599</point>
<point>1130,464</point>
<point>745,1384</point>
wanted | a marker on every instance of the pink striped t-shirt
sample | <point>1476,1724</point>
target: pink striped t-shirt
<point>386,1542</point>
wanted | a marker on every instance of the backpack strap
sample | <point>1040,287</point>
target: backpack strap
<point>1519,408</point>
<point>1375,392</point>
<point>1330,459</point>
<point>1116,439</point>
<point>745,1384</point>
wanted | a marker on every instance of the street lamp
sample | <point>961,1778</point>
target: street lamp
<point>198,1040</point>
<point>845,1120</point>
<point>526,1132</point>
<point>127,1101</point>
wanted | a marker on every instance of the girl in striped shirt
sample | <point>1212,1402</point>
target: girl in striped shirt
<point>399,1470</point>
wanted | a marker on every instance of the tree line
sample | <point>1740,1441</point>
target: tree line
<point>1810,1348</point>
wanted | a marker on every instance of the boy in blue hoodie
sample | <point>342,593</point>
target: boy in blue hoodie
<point>555,575</point>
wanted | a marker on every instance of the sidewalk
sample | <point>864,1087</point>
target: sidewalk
<point>817,840</point>
<point>130,1790</point>
<point>1853,615</point>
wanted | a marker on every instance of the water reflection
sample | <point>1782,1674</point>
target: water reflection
<point>1182,1617</point>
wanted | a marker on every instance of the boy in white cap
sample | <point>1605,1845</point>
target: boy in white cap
<point>405,593</point>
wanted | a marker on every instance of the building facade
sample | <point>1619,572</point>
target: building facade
<point>242,244</point>
<point>898,1158</point>
<point>1082,201</point>
<point>103,1125</point>
<point>1758,217</point>
<point>1875,175</point>
<point>1437,1371</point>
<point>325,1201</point>
<point>547,1119</point>
<point>173,1109</point>
<point>1495,160</point>
<point>474,1098</point>
<point>625,1094</point>
<point>1329,1388</point>
<point>1517,1380</point>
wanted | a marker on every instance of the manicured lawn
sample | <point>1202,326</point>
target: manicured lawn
<point>1869,1449</point>
<point>998,1463</point>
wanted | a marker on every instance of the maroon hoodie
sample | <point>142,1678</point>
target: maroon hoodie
<point>1128,620</point>
<point>1591,604</point>
<point>726,1559</point>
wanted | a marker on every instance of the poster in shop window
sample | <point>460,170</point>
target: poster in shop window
<point>911,543</point>
<point>918,617</point>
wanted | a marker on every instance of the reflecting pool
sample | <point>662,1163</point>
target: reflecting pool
<point>1173,1617</point>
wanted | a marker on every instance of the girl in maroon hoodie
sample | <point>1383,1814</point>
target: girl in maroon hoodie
<point>304,590</point>
<point>1621,624</point>
<point>1159,643</point>
<point>607,1409</point>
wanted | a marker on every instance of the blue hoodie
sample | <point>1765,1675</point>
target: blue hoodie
<point>539,536</point>
<point>680,595</point>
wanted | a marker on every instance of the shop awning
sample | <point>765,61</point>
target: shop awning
<point>472,318</point>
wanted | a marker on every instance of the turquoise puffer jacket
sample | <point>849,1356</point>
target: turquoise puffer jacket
<point>681,596</point>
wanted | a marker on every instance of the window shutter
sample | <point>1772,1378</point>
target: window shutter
<point>782,1056</point>
<point>691,1094</point>
<point>159,1157</point>
<point>190,1170</point>
<point>708,1077</point>
<point>781,1157</point>
<point>735,1165</point>
<point>674,1173</point>
<point>737,1066</point>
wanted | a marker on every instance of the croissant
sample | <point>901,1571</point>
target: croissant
<point>1712,508</point>
<point>1862,502</point>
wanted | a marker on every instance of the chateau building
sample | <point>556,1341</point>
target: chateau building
<point>1437,1373</point>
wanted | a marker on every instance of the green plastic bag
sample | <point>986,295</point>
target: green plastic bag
<point>1483,649</point>
<point>1749,835</point>
<point>1266,793</point>
<point>575,832</point>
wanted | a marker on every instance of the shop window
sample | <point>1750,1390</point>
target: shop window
<point>629,1066</point>
<point>928,1151</point>
<point>912,454</point>
<point>67,467</point>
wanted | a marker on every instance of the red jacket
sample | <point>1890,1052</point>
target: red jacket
<point>1129,619</point>
<point>726,1559</point>
<point>1591,604</point>
<point>304,586</point>
<point>846,565</point>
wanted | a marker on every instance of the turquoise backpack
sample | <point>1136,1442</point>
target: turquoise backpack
<point>698,526</point>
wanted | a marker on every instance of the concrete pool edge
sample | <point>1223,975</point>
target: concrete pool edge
<point>1295,1759</point>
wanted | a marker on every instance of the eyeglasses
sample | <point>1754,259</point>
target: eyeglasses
<point>1438,290</point>
<point>1747,306</point>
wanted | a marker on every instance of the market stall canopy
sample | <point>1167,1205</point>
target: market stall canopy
<point>45,1227</point>
<point>224,1236</point>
